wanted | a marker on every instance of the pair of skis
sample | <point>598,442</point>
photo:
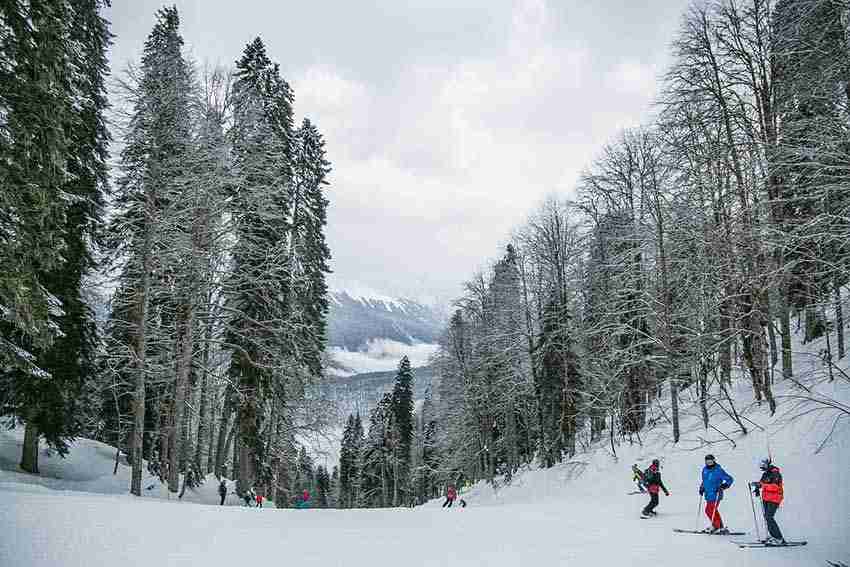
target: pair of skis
<point>744,544</point>
<point>702,532</point>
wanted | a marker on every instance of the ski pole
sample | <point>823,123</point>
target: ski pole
<point>755,521</point>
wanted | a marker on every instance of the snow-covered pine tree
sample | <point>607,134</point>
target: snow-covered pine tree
<point>53,100</point>
<point>308,251</point>
<point>323,487</point>
<point>402,432</point>
<point>333,488</point>
<point>811,58</point>
<point>375,466</point>
<point>258,287</point>
<point>347,465</point>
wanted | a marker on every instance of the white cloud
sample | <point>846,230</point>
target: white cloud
<point>633,77</point>
<point>383,355</point>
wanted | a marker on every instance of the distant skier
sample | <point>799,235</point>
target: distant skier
<point>653,482</point>
<point>451,496</point>
<point>249,496</point>
<point>637,477</point>
<point>259,500</point>
<point>304,500</point>
<point>222,491</point>
<point>770,489</point>
<point>714,481</point>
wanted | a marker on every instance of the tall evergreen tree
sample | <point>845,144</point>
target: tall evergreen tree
<point>259,286</point>
<point>323,487</point>
<point>402,432</point>
<point>53,100</point>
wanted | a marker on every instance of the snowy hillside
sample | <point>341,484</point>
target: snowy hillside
<point>578,513</point>
<point>88,469</point>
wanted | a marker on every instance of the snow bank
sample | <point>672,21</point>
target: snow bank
<point>89,468</point>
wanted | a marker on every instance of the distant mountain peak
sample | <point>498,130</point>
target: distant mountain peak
<point>357,319</point>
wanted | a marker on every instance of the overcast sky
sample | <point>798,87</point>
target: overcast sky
<point>446,121</point>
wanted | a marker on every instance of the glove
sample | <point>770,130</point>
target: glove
<point>723,486</point>
<point>666,493</point>
<point>701,490</point>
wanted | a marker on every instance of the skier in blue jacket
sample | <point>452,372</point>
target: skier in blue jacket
<point>714,481</point>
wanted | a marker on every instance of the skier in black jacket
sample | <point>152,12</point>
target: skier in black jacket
<point>653,482</point>
<point>222,490</point>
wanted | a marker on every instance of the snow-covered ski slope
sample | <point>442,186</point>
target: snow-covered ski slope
<point>578,513</point>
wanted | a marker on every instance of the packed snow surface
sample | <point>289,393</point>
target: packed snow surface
<point>578,513</point>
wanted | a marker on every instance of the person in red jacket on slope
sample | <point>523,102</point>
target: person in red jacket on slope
<point>451,495</point>
<point>772,493</point>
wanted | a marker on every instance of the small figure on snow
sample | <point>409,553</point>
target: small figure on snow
<point>653,482</point>
<point>259,500</point>
<point>304,500</point>
<point>249,496</point>
<point>451,495</point>
<point>637,477</point>
<point>222,490</point>
<point>770,489</point>
<point>714,481</point>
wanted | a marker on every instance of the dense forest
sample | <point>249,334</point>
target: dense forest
<point>206,238</point>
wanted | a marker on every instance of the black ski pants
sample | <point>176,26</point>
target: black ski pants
<point>653,502</point>
<point>770,509</point>
<point>222,498</point>
<point>448,503</point>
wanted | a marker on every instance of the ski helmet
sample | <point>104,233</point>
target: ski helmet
<point>765,464</point>
<point>656,462</point>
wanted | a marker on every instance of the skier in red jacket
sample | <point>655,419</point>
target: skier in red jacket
<point>772,493</point>
<point>451,495</point>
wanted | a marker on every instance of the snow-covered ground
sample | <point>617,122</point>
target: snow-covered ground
<point>78,514</point>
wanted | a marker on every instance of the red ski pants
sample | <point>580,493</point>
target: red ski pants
<point>713,514</point>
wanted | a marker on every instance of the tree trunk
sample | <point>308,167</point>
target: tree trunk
<point>136,441</point>
<point>29,455</point>
<point>774,353</point>
<point>224,439</point>
<point>201,462</point>
<point>674,405</point>
<point>785,328</point>
<point>164,429</point>
<point>184,365</point>
<point>703,394</point>
<point>839,320</point>
<point>809,329</point>
<point>211,445</point>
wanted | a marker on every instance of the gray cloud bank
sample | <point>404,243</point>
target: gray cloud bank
<point>446,121</point>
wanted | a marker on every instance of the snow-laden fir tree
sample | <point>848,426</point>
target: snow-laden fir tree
<point>402,432</point>
<point>53,151</point>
